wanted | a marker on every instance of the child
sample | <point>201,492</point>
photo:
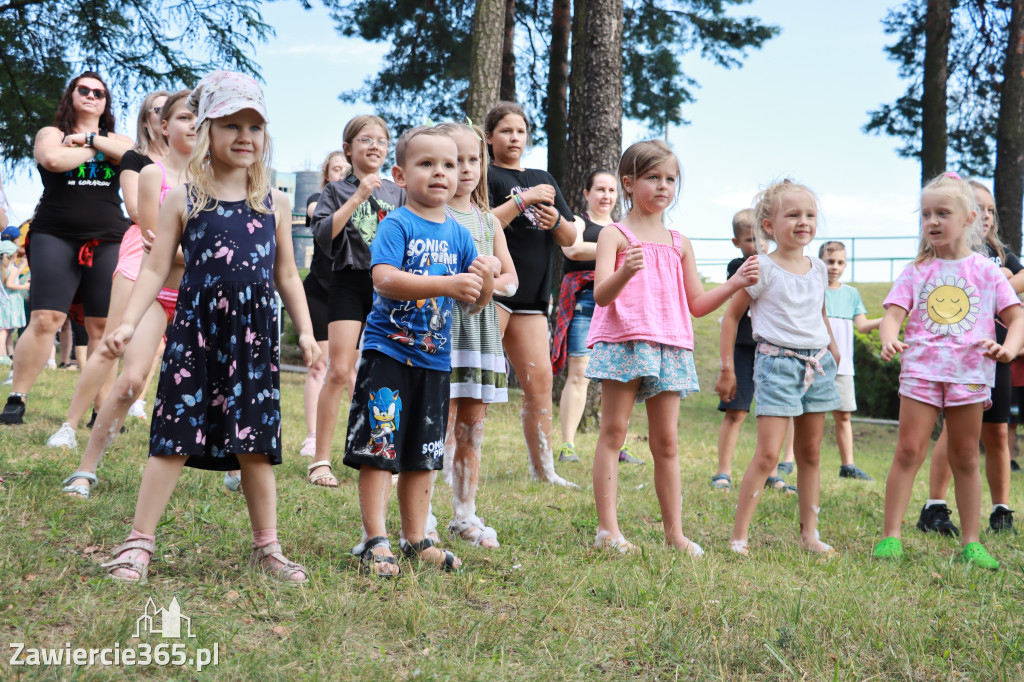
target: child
<point>218,401</point>
<point>421,260</point>
<point>478,364</point>
<point>845,310</point>
<point>949,297</point>
<point>795,365</point>
<point>535,217</point>
<point>344,224</point>
<point>994,421</point>
<point>155,180</point>
<point>646,286</point>
<point>12,307</point>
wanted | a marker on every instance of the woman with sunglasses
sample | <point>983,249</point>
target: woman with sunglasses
<point>78,227</point>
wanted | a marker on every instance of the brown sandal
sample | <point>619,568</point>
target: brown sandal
<point>285,568</point>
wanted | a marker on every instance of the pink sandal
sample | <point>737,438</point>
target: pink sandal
<point>283,570</point>
<point>120,560</point>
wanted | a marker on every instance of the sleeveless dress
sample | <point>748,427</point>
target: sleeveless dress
<point>478,362</point>
<point>219,391</point>
<point>12,305</point>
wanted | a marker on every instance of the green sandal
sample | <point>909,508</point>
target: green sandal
<point>889,548</point>
<point>975,553</point>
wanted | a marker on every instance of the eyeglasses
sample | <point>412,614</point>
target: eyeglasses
<point>155,110</point>
<point>96,92</point>
<point>370,142</point>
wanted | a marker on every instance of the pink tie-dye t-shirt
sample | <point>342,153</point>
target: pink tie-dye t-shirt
<point>952,306</point>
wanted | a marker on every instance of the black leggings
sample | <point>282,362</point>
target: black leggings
<point>57,274</point>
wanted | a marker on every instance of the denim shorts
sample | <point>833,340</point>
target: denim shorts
<point>579,327</point>
<point>779,385</point>
<point>660,367</point>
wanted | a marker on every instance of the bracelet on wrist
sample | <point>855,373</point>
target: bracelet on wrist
<point>89,139</point>
<point>518,200</point>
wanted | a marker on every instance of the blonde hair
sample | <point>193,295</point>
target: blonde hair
<point>640,158</point>
<point>479,197</point>
<point>411,134</point>
<point>962,193</point>
<point>743,220</point>
<point>200,171</point>
<point>767,203</point>
<point>325,168</point>
<point>829,247</point>
<point>992,236</point>
<point>356,124</point>
<point>145,138</point>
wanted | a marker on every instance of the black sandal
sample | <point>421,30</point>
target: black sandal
<point>410,550</point>
<point>369,562</point>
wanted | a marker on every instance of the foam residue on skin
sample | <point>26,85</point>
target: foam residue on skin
<point>509,290</point>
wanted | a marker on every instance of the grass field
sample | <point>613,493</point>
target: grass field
<point>544,606</point>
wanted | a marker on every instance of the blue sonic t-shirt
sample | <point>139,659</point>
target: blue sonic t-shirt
<point>417,333</point>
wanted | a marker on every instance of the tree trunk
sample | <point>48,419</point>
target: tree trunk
<point>938,27</point>
<point>573,187</point>
<point>1009,176</point>
<point>485,60</point>
<point>558,80</point>
<point>596,132</point>
<point>508,54</point>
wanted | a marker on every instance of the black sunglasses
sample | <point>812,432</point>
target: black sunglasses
<point>96,92</point>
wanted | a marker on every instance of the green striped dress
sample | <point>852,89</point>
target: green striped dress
<point>478,363</point>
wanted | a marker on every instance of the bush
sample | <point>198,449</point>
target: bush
<point>877,382</point>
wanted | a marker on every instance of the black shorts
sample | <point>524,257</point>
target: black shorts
<point>316,301</point>
<point>743,361</point>
<point>351,295</point>
<point>57,274</point>
<point>1002,395</point>
<point>398,416</point>
<point>1016,403</point>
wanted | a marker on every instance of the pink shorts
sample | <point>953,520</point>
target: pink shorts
<point>129,262</point>
<point>943,394</point>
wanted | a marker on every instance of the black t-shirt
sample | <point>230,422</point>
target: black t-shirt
<point>744,331</point>
<point>1011,263</point>
<point>82,203</point>
<point>134,161</point>
<point>320,263</point>
<point>590,232</point>
<point>531,248</point>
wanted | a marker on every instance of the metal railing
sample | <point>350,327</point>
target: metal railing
<point>905,254</point>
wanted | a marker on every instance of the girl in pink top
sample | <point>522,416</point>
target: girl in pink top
<point>949,297</point>
<point>646,286</point>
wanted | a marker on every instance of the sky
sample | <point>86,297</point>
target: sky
<point>794,109</point>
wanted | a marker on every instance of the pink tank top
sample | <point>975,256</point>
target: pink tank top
<point>652,306</point>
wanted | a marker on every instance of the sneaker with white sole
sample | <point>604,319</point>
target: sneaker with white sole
<point>64,438</point>
<point>308,447</point>
<point>138,410</point>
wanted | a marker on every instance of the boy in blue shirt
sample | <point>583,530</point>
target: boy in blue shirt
<point>421,260</point>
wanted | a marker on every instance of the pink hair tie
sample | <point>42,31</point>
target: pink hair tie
<point>952,174</point>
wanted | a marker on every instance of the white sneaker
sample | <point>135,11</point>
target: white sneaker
<point>64,438</point>
<point>138,409</point>
<point>308,447</point>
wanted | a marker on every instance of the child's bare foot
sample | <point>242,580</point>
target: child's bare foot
<point>473,531</point>
<point>815,546</point>
<point>739,547</point>
<point>607,540</point>
<point>690,547</point>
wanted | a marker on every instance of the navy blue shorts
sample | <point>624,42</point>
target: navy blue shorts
<point>743,361</point>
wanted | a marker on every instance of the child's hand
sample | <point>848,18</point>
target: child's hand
<point>483,268</point>
<point>147,240</point>
<point>725,387</point>
<point>634,262</point>
<point>118,340</point>
<point>892,348</point>
<point>465,286</point>
<point>994,351</point>
<point>310,349</point>
<point>547,217</point>
<point>367,185</point>
<point>495,264</point>
<point>538,194</point>
<point>751,271</point>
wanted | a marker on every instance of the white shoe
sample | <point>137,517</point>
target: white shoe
<point>308,447</point>
<point>64,438</point>
<point>138,410</point>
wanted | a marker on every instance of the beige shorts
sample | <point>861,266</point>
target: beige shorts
<point>847,395</point>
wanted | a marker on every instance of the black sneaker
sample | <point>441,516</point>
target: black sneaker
<point>936,518</point>
<point>1014,467</point>
<point>852,471</point>
<point>14,411</point>
<point>785,468</point>
<point>92,420</point>
<point>1001,519</point>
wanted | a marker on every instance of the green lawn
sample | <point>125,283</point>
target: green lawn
<point>544,606</point>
